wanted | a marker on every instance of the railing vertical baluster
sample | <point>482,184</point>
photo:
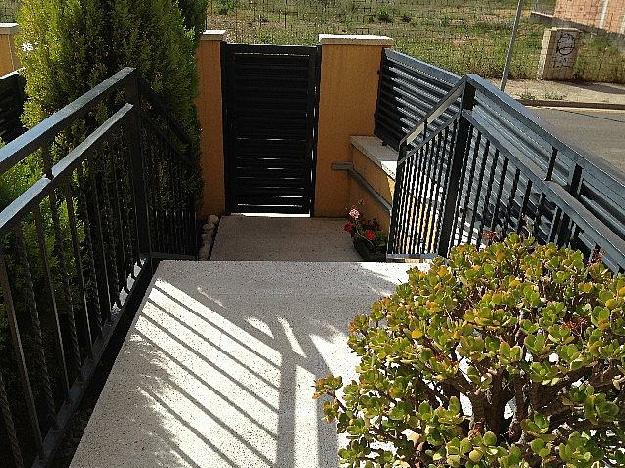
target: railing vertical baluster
<point>502,181</point>
<point>58,337</point>
<point>96,285</point>
<point>18,349</point>
<point>447,161</point>
<point>574,186</point>
<point>137,161</point>
<point>424,201</point>
<point>488,193</point>
<point>511,198</point>
<point>71,217</point>
<point>436,185</point>
<point>526,196</point>
<point>100,246</point>
<point>133,223</point>
<point>43,376</point>
<point>466,197</point>
<point>117,206</point>
<point>397,195</point>
<point>111,240</point>
<point>65,284</point>
<point>539,215</point>
<point>457,162</point>
<point>9,425</point>
<point>415,207</point>
<point>411,201</point>
<point>552,163</point>
<point>478,189</point>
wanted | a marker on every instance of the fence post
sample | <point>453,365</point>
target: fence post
<point>137,176</point>
<point>392,247</point>
<point>453,187</point>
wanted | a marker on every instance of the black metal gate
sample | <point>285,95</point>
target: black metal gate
<point>270,103</point>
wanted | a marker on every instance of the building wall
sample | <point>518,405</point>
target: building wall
<point>209,109</point>
<point>603,14</point>
<point>348,94</point>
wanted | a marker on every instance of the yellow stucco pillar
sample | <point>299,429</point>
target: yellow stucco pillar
<point>348,93</point>
<point>9,62</point>
<point>209,108</point>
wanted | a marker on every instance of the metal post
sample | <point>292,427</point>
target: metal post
<point>139,184</point>
<point>453,187</point>
<point>515,28</point>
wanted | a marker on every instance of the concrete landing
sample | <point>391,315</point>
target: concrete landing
<point>218,367</point>
<point>283,239</point>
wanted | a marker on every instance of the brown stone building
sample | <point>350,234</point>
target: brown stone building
<point>602,14</point>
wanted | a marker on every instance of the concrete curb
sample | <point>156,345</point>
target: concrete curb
<point>571,104</point>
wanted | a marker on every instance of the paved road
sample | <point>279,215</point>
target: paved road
<point>599,132</point>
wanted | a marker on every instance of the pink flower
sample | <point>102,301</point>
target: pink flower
<point>354,213</point>
<point>349,227</point>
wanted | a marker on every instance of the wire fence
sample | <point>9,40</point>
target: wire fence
<point>459,35</point>
<point>463,36</point>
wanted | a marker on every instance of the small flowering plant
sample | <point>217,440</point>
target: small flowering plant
<point>367,230</point>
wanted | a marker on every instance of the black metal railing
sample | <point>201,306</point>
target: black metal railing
<point>407,90</point>
<point>12,99</point>
<point>78,243</point>
<point>494,167</point>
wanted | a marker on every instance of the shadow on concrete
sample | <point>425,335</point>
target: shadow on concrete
<point>218,369</point>
<point>605,88</point>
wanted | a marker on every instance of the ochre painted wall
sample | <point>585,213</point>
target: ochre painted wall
<point>209,107</point>
<point>9,61</point>
<point>381,183</point>
<point>348,92</point>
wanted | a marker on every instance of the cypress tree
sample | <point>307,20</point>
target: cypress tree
<point>71,45</point>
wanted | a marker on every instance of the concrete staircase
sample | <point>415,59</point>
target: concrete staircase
<point>218,367</point>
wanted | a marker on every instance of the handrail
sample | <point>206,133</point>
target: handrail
<point>155,100</point>
<point>544,129</point>
<point>33,195</point>
<point>45,131</point>
<point>483,177</point>
<point>444,104</point>
<point>79,245</point>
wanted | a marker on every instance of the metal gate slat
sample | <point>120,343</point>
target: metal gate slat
<point>270,111</point>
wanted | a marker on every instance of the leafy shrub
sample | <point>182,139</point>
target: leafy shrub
<point>226,6</point>
<point>384,15</point>
<point>70,46</point>
<point>194,14</point>
<point>511,356</point>
<point>600,59</point>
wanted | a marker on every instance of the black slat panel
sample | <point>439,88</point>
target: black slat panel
<point>270,110</point>
<point>408,89</point>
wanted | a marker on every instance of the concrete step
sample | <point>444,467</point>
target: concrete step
<point>283,239</point>
<point>218,367</point>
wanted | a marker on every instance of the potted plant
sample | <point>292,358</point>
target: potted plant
<point>368,238</point>
<point>512,356</point>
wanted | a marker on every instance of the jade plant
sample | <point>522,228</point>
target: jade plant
<point>510,356</point>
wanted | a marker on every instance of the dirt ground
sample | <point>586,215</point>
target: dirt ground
<point>566,91</point>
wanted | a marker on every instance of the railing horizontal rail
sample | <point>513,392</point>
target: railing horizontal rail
<point>24,203</point>
<point>44,132</point>
<point>98,200</point>
<point>502,170</point>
